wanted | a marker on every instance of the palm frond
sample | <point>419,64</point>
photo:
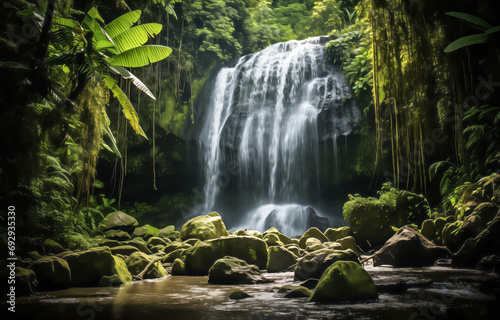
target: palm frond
<point>141,56</point>
<point>122,23</point>
<point>136,36</point>
<point>466,41</point>
<point>474,21</point>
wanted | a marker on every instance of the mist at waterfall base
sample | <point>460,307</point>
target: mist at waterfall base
<point>269,134</point>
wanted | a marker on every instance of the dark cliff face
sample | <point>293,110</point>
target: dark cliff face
<point>269,117</point>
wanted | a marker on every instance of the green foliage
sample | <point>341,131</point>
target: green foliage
<point>476,23</point>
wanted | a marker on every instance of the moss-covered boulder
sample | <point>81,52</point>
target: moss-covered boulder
<point>138,261</point>
<point>204,228</point>
<point>178,267</point>
<point>119,220</point>
<point>333,245</point>
<point>154,241</point>
<point>231,270</point>
<point>158,249</point>
<point>283,238</point>
<point>253,233</point>
<point>120,275</point>
<point>118,235</point>
<point>145,232</point>
<point>124,250</point>
<point>109,243</point>
<point>449,237</point>
<point>299,292</point>
<point>280,259</point>
<point>312,233</point>
<point>294,248</point>
<point>409,248</point>
<point>52,273</point>
<point>176,245</point>
<point>171,256</point>
<point>315,263</point>
<point>428,229</point>
<point>168,233</point>
<point>139,245</point>
<point>344,281</point>
<point>348,243</point>
<point>192,242</point>
<point>51,246</point>
<point>338,233</point>
<point>238,294</point>
<point>313,244</point>
<point>201,257</point>
<point>88,267</point>
<point>26,282</point>
<point>272,239</point>
<point>477,221</point>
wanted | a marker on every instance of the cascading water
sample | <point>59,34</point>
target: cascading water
<point>263,125</point>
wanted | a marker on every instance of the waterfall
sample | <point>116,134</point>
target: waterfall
<point>260,131</point>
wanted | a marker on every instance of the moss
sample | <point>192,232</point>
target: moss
<point>238,294</point>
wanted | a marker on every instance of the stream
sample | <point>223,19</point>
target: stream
<point>404,293</point>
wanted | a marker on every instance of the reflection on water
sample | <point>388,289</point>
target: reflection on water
<point>431,293</point>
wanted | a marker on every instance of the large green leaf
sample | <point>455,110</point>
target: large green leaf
<point>90,21</point>
<point>466,41</point>
<point>141,56</point>
<point>128,108</point>
<point>122,23</point>
<point>136,36</point>
<point>474,21</point>
<point>136,81</point>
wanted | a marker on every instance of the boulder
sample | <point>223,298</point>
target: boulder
<point>312,233</point>
<point>204,228</point>
<point>449,237</point>
<point>484,244</point>
<point>124,250</point>
<point>50,246</point>
<point>272,239</point>
<point>344,281</point>
<point>139,245</point>
<point>118,235</point>
<point>332,245</point>
<point>52,273</point>
<point>192,242</point>
<point>293,248</point>
<point>119,220</point>
<point>428,229</point>
<point>138,261</point>
<point>283,238</point>
<point>154,241</point>
<point>408,248</point>
<point>280,259</point>
<point>178,267</point>
<point>158,248</point>
<point>313,244</point>
<point>338,233</point>
<point>171,256</point>
<point>26,282</point>
<point>120,275</point>
<point>145,232</point>
<point>168,233</point>
<point>299,292</point>
<point>348,243</point>
<point>315,263</point>
<point>201,257</point>
<point>231,270</point>
<point>109,243</point>
<point>176,245</point>
<point>238,294</point>
<point>249,233</point>
<point>477,221</point>
<point>88,267</point>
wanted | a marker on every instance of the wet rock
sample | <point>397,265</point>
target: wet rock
<point>312,233</point>
<point>408,248</point>
<point>489,263</point>
<point>201,257</point>
<point>178,267</point>
<point>138,261</point>
<point>204,228</point>
<point>88,267</point>
<point>238,294</point>
<point>338,233</point>
<point>280,259</point>
<point>145,232</point>
<point>154,241</point>
<point>124,250</point>
<point>299,292</point>
<point>118,235</point>
<point>52,273</point>
<point>120,275</point>
<point>119,220</point>
<point>26,282</point>
<point>344,281</point>
<point>230,270</point>
<point>315,263</point>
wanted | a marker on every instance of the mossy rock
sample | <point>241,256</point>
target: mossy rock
<point>178,267</point>
<point>120,276</point>
<point>313,244</point>
<point>252,233</point>
<point>88,267</point>
<point>428,229</point>
<point>51,246</point>
<point>176,245</point>
<point>238,294</point>
<point>166,233</point>
<point>344,281</point>
<point>109,243</point>
<point>449,235</point>
<point>201,257</point>
<point>294,248</point>
<point>272,239</point>
<point>158,249</point>
<point>171,256</point>
<point>118,235</point>
<point>315,263</point>
<point>312,233</point>
<point>34,255</point>
<point>280,259</point>
<point>204,228</point>
<point>124,250</point>
<point>231,270</point>
<point>119,220</point>
<point>283,238</point>
<point>348,243</point>
<point>154,241</point>
<point>139,245</point>
<point>26,282</point>
<point>145,232</point>
<point>138,261</point>
<point>192,242</point>
<point>299,292</point>
<point>52,273</point>
<point>338,233</point>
